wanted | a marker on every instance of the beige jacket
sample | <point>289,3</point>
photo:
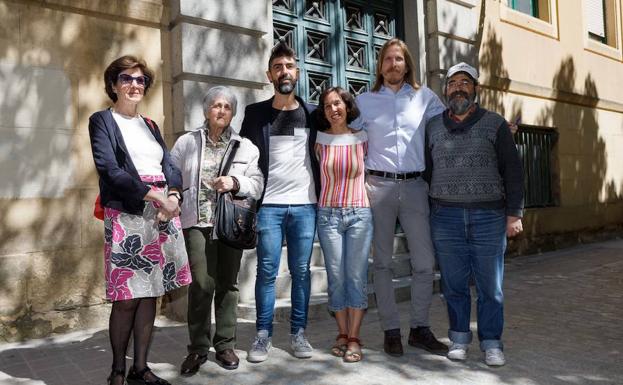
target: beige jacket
<point>187,155</point>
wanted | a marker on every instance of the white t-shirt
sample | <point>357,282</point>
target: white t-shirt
<point>290,179</point>
<point>144,150</point>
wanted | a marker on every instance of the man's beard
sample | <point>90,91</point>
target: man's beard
<point>392,77</point>
<point>283,87</point>
<point>459,106</point>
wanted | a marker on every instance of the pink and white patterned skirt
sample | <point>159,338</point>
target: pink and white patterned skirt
<point>143,257</point>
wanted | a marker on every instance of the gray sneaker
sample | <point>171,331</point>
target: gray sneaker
<point>300,346</point>
<point>494,357</point>
<point>260,348</point>
<point>458,352</point>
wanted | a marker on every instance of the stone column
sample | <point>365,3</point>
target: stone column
<point>218,43</point>
<point>451,37</point>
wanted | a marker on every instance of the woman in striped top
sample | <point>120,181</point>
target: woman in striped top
<point>344,217</point>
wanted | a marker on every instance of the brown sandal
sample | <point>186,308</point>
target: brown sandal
<point>353,355</point>
<point>338,349</point>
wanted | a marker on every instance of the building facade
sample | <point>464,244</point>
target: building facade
<point>553,65</point>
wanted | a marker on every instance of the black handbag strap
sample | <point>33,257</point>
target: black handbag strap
<point>225,168</point>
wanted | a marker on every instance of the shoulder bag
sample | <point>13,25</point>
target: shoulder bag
<point>235,217</point>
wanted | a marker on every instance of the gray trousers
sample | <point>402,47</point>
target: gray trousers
<point>407,201</point>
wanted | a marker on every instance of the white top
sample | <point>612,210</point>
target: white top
<point>145,151</point>
<point>396,123</point>
<point>346,139</point>
<point>290,180</point>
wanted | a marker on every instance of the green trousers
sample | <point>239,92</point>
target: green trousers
<point>214,267</point>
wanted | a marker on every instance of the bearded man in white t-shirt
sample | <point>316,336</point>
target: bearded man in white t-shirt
<point>281,128</point>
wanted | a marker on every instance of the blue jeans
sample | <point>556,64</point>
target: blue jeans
<point>298,224</point>
<point>345,235</point>
<point>471,242</point>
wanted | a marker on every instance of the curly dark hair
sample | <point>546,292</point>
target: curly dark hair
<point>281,50</point>
<point>121,64</point>
<point>352,111</point>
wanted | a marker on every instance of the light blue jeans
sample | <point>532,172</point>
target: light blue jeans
<point>297,223</point>
<point>471,242</point>
<point>345,235</point>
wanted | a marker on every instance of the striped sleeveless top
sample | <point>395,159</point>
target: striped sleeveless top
<point>342,169</point>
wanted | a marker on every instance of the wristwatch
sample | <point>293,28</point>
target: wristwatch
<point>176,194</point>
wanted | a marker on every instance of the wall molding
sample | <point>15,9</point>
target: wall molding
<point>181,19</point>
<point>548,93</point>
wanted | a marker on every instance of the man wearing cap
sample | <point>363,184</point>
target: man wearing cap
<point>394,115</point>
<point>476,191</point>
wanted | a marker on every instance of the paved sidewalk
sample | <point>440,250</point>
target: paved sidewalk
<point>564,325</point>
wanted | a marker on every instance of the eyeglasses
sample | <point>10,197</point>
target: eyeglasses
<point>141,81</point>
<point>463,83</point>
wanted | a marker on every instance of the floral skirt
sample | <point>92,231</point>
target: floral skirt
<point>143,257</point>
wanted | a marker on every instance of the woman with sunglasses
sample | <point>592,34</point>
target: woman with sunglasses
<point>140,189</point>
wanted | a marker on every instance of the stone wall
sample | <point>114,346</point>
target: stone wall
<point>52,57</point>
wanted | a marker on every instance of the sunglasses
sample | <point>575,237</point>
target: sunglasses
<point>141,81</point>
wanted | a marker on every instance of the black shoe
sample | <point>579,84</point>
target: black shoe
<point>191,364</point>
<point>137,377</point>
<point>422,337</point>
<point>227,358</point>
<point>393,344</point>
<point>114,373</point>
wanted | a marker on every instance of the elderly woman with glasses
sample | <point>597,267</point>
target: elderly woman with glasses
<point>140,191</point>
<point>214,265</point>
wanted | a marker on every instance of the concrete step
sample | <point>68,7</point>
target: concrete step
<point>400,244</point>
<point>283,285</point>
<point>249,261</point>
<point>318,302</point>
<point>401,268</point>
<point>248,267</point>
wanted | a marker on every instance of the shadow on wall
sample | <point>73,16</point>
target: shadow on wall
<point>581,151</point>
<point>496,80</point>
<point>50,246</point>
<point>579,164</point>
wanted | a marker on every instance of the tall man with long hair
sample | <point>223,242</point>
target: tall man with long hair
<point>394,114</point>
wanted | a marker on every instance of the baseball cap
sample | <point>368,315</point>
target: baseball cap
<point>462,67</point>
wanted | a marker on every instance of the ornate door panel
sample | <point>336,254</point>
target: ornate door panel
<point>337,41</point>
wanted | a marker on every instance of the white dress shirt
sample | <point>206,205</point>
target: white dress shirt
<point>395,123</point>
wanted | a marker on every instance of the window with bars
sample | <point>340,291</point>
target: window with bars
<point>536,150</point>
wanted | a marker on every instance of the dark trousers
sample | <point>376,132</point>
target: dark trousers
<point>214,267</point>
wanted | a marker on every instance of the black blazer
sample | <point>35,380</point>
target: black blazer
<point>256,127</point>
<point>120,185</point>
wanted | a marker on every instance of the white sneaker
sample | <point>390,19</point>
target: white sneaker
<point>260,348</point>
<point>300,346</point>
<point>458,352</point>
<point>494,357</point>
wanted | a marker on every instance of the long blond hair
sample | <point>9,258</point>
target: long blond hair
<point>409,76</point>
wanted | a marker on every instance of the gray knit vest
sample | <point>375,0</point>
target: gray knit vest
<point>465,167</point>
